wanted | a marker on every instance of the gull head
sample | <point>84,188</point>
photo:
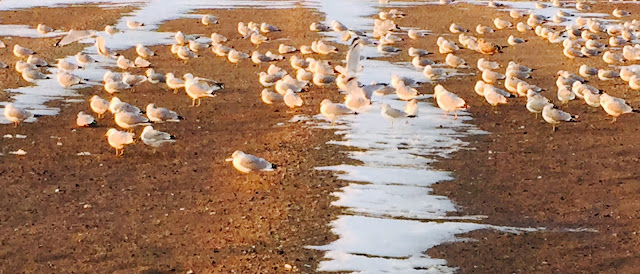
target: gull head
<point>235,154</point>
<point>385,107</point>
<point>110,131</point>
<point>325,101</point>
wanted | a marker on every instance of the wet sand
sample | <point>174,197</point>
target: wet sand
<point>522,174</point>
<point>183,207</point>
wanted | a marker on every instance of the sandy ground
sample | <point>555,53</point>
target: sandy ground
<point>183,207</point>
<point>521,174</point>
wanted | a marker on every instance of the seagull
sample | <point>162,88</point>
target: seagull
<point>501,24</point>
<point>535,102</point>
<point>185,53</point>
<point>258,39</point>
<point>620,13</point>
<point>218,38</point>
<point>99,105</point>
<point>66,65</point>
<point>586,71</point>
<point>406,93</point>
<point>67,80</point>
<point>31,75</point>
<point>154,77</point>
<point>420,63</point>
<point>522,27</point>
<point>247,163</point>
<point>284,49</point>
<point>22,52</point>
<point>454,28</point>
<point>197,46</point>
<point>491,76</point>
<point>411,108</point>
<point>492,97</point>
<point>292,100</point>
<point>15,114</point>
<point>118,139</point>
<point>487,65</point>
<point>270,97</point>
<point>84,58</point>
<point>115,86</point>
<point>129,120</point>
<point>134,25</point>
<point>173,82</point>
<point>161,115</point>
<point>37,61</point>
<point>156,138</point>
<point>235,56</point>
<point>21,66</point>
<point>266,28</point>
<point>140,62</point>
<point>480,29</point>
<point>514,40</point>
<point>434,73</point>
<point>124,63</point>
<point>448,101</point>
<point>332,110</point>
<point>611,58</point>
<point>198,88</point>
<point>413,52</point>
<point>102,48</point>
<point>554,116</point>
<point>565,95</point>
<point>110,29</point>
<point>614,106</point>
<point>143,51</point>
<point>393,114</point>
<point>208,20</point>
<point>455,61</point>
<point>85,120</point>
<point>116,105</point>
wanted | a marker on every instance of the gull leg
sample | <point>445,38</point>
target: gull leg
<point>15,124</point>
<point>116,152</point>
<point>199,102</point>
<point>455,113</point>
<point>193,102</point>
<point>613,120</point>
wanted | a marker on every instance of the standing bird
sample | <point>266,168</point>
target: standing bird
<point>16,115</point>
<point>118,139</point>
<point>98,105</point>
<point>198,88</point>
<point>332,110</point>
<point>614,106</point>
<point>554,116</point>
<point>393,114</point>
<point>448,101</point>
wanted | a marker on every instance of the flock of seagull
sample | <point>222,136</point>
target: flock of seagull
<point>580,40</point>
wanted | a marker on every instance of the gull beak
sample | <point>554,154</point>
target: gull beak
<point>228,160</point>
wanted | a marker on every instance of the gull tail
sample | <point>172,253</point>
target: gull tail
<point>93,124</point>
<point>573,118</point>
<point>412,116</point>
<point>635,110</point>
